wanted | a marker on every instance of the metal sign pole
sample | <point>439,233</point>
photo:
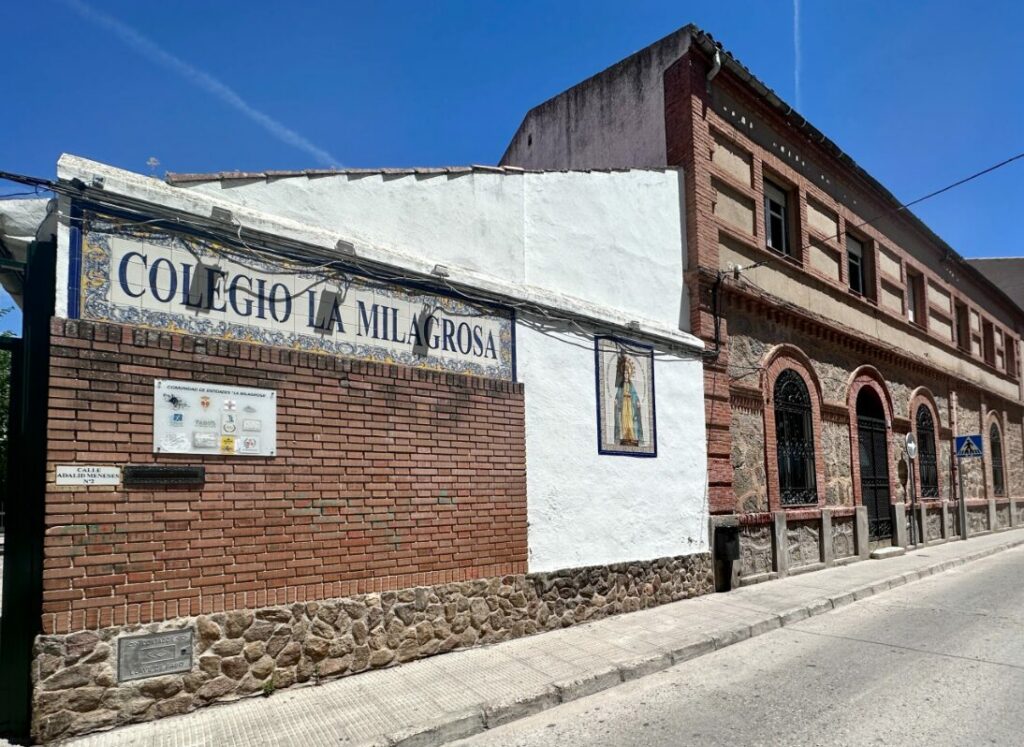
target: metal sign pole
<point>966,447</point>
<point>963,499</point>
<point>913,507</point>
<point>911,445</point>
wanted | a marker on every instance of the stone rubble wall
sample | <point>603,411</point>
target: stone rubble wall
<point>836,449</point>
<point>804,543</point>
<point>977,519</point>
<point>1002,516</point>
<point>844,543</point>
<point>756,552</point>
<point>249,652</point>
<point>933,524</point>
<point>750,482</point>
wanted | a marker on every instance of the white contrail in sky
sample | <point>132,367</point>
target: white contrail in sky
<point>149,49</point>
<point>796,51</point>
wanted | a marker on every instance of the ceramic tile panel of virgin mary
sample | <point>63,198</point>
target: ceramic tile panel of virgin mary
<point>625,393</point>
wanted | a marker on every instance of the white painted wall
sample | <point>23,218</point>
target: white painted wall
<point>574,233</point>
<point>614,239</point>
<point>454,219</point>
<point>585,508</point>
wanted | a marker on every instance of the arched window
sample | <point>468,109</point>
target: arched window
<point>996,449</point>
<point>794,440</point>
<point>928,464</point>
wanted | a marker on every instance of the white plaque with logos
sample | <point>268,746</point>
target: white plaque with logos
<point>192,417</point>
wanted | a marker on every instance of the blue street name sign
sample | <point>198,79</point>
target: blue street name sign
<point>968,447</point>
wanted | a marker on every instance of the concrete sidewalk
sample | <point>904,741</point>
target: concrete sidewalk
<point>435,700</point>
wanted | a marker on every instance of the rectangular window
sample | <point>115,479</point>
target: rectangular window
<point>1011,356</point>
<point>988,343</point>
<point>915,297</point>
<point>961,327</point>
<point>776,218</point>
<point>855,264</point>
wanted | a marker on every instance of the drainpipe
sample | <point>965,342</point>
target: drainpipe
<point>714,69</point>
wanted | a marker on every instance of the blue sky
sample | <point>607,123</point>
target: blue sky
<point>919,93</point>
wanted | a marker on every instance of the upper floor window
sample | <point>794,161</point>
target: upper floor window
<point>794,440</point>
<point>1011,355</point>
<point>961,326</point>
<point>915,297</point>
<point>988,343</point>
<point>855,264</point>
<point>776,218</point>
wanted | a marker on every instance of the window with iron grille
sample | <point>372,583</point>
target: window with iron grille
<point>927,461</point>
<point>794,440</point>
<point>996,449</point>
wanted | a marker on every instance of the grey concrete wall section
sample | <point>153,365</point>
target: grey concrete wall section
<point>993,523</point>
<point>827,554</point>
<point>945,520</point>
<point>780,541</point>
<point>863,543</point>
<point>614,119</point>
<point>899,525</point>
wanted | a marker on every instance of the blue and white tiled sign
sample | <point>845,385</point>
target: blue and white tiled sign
<point>174,283</point>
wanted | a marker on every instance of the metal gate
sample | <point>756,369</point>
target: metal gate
<point>26,482</point>
<point>874,475</point>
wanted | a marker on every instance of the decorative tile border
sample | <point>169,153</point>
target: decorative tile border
<point>93,275</point>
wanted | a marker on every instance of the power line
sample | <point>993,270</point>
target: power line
<point>904,206</point>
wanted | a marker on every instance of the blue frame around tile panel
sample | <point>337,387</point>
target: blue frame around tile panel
<point>597,395</point>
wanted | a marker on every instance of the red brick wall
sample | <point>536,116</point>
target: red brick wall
<point>386,477</point>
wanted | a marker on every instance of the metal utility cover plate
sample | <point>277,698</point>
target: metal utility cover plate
<point>154,654</point>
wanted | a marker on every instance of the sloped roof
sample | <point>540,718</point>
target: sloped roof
<point>222,176</point>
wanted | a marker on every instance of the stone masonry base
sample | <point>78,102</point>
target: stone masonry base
<point>250,652</point>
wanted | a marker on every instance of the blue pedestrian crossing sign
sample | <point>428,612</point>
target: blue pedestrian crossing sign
<point>968,447</point>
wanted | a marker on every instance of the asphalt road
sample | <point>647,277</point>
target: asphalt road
<point>937,662</point>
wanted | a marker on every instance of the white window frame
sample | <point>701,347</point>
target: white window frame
<point>851,242</point>
<point>773,193</point>
<point>912,299</point>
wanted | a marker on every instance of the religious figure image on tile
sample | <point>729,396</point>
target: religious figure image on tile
<point>625,391</point>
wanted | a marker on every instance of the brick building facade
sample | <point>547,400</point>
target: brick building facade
<point>842,322</point>
<point>275,532</point>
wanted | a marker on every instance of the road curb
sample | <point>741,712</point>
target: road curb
<point>468,723</point>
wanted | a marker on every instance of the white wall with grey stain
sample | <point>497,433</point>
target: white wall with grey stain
<point>575,233</point>
<point>614,119</point>
<point>586,508</point>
